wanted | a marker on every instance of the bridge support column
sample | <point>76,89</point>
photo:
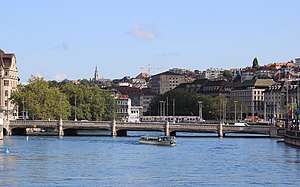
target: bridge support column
<point>113,128</point>
<point>274,132</point>
<point>60,128</point>
<point>220,130</point>
<point>1,132</point>
<point>167,129</point>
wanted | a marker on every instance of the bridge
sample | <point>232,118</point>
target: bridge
<point>71,128</point>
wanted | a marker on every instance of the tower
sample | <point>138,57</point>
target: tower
<point>96,77</point>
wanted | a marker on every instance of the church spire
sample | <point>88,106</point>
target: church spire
<point>96,77</point>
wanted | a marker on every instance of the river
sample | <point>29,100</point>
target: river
<point>122,161</point>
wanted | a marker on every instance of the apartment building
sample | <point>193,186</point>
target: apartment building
<point>165,81</point>
<point>251,93</point>
<point>9,79</point>
<point>213,74</point>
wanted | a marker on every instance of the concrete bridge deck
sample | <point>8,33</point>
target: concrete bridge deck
<point>18,127</point>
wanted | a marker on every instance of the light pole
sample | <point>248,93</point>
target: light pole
<point>200,110</point>
<point>235,110</point>
<point>160,108</point>
<point>23,101</point>
<point>75,119</point>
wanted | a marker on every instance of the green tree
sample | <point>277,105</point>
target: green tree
<point>41,100</point>
<point>186,104</point>
<point>255,63</point>
<point>92,103</point>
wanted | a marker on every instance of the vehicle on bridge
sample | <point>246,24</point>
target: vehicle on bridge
<point>176,119</point>
<point>158,140</point>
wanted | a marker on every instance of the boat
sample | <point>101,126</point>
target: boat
<point>158,140</point>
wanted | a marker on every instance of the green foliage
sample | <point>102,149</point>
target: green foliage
<point>255,63</point>
<point>41,100</point>
<point>92,103</point>
<point>186,104</point>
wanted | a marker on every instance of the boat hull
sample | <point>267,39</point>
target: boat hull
<point>159,140</point>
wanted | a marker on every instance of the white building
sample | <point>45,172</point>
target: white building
<point>126,112</point>
<point>9,79</point>
<point>213,74</point>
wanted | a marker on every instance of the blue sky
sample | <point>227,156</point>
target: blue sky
<point>60,39</point>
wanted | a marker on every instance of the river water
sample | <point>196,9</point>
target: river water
<point>122,161</point>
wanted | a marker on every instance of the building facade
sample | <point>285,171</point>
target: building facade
<point>213,74</point>
<point>251,93</point>
<point>125,111</point>
<point>165,81</point>
<point>9,80</point>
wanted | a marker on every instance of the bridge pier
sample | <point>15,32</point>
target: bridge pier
<point>167,129</point>
<point>220,130</point>
<point>1,132</point>
<point>113,128</point>
<point>60,128</point>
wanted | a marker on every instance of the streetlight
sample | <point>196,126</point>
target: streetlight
<point>200,110</point>
<point>75,119</point>
<point>160,108</point>
<point>235,110</point>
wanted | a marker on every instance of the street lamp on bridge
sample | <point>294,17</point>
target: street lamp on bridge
<point>200,110</point>
<point>235,110</point>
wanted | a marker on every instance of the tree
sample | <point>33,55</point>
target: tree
<point>92,103</point>
<point>186,104</point>
<point>255,63</point>
<point>41,101</point>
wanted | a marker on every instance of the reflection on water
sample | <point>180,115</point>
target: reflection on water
<point>122,161</point>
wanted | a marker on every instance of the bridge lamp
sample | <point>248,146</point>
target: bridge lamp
<point>200,110</point>
<point>235,102</point>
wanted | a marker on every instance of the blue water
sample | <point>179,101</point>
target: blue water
<point>122,161</point>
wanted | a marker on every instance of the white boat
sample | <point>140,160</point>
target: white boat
<point>158,140</point>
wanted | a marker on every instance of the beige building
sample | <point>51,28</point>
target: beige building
<point>9,79</point>
<point>165,81</point>
<point>251,93</point>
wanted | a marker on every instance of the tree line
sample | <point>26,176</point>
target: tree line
<point>43,101</point>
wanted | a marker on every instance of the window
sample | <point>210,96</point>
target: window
<point>6,93</point>
<point>6,82</point>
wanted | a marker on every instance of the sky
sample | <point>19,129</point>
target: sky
<point>66,39</point>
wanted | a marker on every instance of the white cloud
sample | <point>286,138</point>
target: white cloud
<point>62,46</point>
<point>144,32</point>
<point>59,77</point>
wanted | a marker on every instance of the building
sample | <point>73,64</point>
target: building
<point>297,62</point>
<point>213,74</point>
<point>278,95</point>
<point>251,93</point>
<point>165,81</point>
<point>207,87</point>
<point>125,111</point>
<point>139,97</point>
<point>9,79</point>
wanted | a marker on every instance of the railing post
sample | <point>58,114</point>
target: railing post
<point>220,130</point>
<point>113,128</point>
<point>167,129</point>
<point>60,128</point>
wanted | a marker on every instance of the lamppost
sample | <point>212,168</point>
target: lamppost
<point>200,110</point>
<point>160,107</point>
<point>23,111</point>
<point>235,110</point>
<point>75,119</point>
